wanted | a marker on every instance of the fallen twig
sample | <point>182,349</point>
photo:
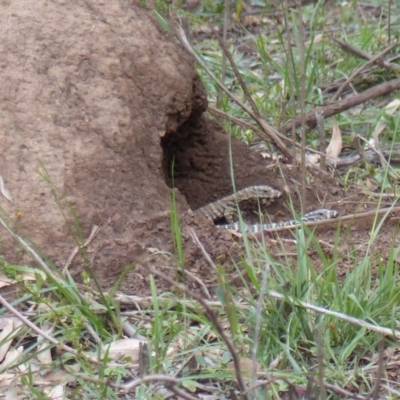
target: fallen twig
<point>360,69</point>
<point>50,339</point>
<point>269,130</point>
<point>93,233</point>
<point>343,317</point>
<point>343,105</point>
<point>246,125</point>
<point>360,53</point>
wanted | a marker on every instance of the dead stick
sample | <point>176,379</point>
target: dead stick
<point>271,132</point>
<point>343,105</point>
<point>364,66</point>
<point>238,76</point>
<point>268,129</point>
<point>360,53</point>
<point>247,125</point>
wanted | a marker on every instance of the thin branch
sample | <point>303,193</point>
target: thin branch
<point>343,392</point>
<point>238,76</point>
<point>360,53</point>
<point>246,125</point>
<point>93,233</point>
<point>343,317</point>
<point>146,379</point>
<point>343,105</point>
<point>43,334</point>
<point>360,69</point>
<point>269,130</point>
<point>322,139</point>
<point>227,26</point>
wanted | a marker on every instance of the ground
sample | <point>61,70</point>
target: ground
<point>95,114</point>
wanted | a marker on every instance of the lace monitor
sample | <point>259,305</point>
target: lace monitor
<point>226,207</point>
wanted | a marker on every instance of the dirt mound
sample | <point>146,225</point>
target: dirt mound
<point>96,103</point>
